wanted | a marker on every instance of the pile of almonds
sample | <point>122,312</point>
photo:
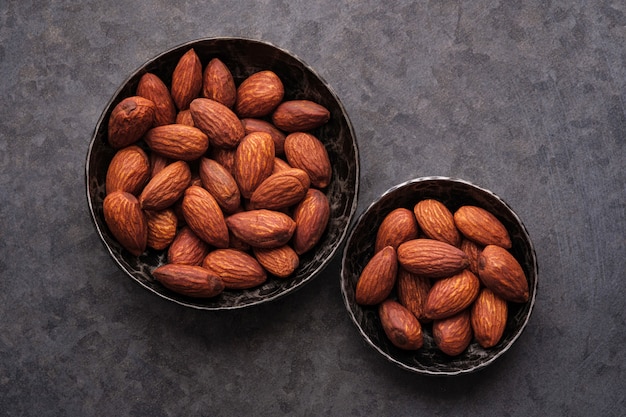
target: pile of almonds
<point>451,271</point>
<point>227,179</point>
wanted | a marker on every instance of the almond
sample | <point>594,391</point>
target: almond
<point>308,153</point>
<point>377,278</point>
<point>218,122</point>
<point>189,280</point>
<point>262,228</point>
<point>488,318</point>
<point>449,296</point>
<point>153,88</point>
<point>311,215</point>
<point>128,171</point>
<point>299,115</point>
<point>130,119</point>
<point>161,228</point>
<point>186,79</point>
<point>281,165</point>
<point>499,271</point>
<point>221,184</point>
<point>204,216</point>
<point>237,269</point>
<point>126,221</point>
<point>472,250</point>
<point>225,157</point>
<point>259,94</point>
<point>184,117</point>
<point>177,141</point>
<point>400,325</point>
<point>218,83</point>
<point>453,335</point>
<point>412,292</point>
<point>397,227</point>
<point>479,225</point>
<point>258,125</point>
<point>187,248</point>
<point>281,190</point>
<point>431,258</point>
<point>254,161</point>
<point>280,262</point>
<point>157,163</point>
<point>436,221</point>
<point>166,187</point>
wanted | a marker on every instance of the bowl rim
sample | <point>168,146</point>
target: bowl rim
<point>353,202</point>
<point>344,283</point>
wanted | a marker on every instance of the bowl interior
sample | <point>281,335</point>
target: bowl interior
<point>243,57</point>
<point>360,248</point>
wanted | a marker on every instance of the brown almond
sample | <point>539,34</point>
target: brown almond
<point>431,258</point>
<point>221,184</point>
<point>299,115</point>
<point>157,163</point>
<point>262,228</point>
<point>479,225</point>
<point>218,122</point>
<point>397,227</point>
<point>280,262</point>
<point>254,161</point>
<point>204,216</point>
<point>488,318</point>
<point>178,142</point>
<point>453,335</point>
<point>499,271</point>
<point>311,215</point>
<point>153,88</point>
<point>412,292</point>
<point>126,221</point>
<point>218,83</point>
<point>186,79</point>
<point>184,117</point>
<point>166,187</point>
<point>377,278</point>
<point>308,153</point>
<point>449,296</point>
<point>437,221</point>
<point>187,248</point>
<point>238,270</point>
<point>128,171</point>
<point>161,228</point>
<point>258,125</point>
<point>281,165</point>
<point>259,94</point>
<point>472,250</point>
<point>130,119</point>
<point>225,157</point>
<point>189,280</point>
<point>281,190</point>
<point>400,325</point>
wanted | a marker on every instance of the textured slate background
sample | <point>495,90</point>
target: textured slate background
<point>523,98</point>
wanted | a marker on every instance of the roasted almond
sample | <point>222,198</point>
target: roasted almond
<point>221,184</point>
<point>128,171</point>
<point>449,296</point>
<point>262,228</point>
<point>204,216</point>
<point>218,122</point>
<point>126,221</point>
<point>258,125</point>
<point>412,292</point>
<point>161,228</point>
<point>281,190</point>
<point>311,216</point>
<point>153,88</point>
<point>189,280</point>
<point>184,117</point>
<point>186,79</point>
<point>130,119</point>
<point>237,269</point>
<point>218,83</point>
<point>377,278</point>
<point>499,271</point>
<point>259,94</point>
<point>157,163</point>
<point>397,227</point>
<point>488,318</point>
<point>254,161</point>
<point>400,325</point>
<point>280,262</point>
<point>453,335</point>
<point>178,142</point>
<point>187,248</point>
<point>299,115</point>
<point>472,250</point>
<point>431,258</point>
<point>308,153</point>
<point>437,221</point>
<point>479,225</point>
<point>166,187</point>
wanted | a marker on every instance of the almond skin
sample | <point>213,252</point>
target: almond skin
<point>377,278</point>
<point>218,122</point>
<point>311,216</point>
<point>186,79</point>
<point>128,171</point>
<point>218,83</point>
<point>237,269</point>
<point>221,184</point>
<point>177,141</point>
<point>499,271</point>
<point>126,221</point>
<point>189,280</point>
<point>397,227</point>
<point>299,115</point>
<point>204,216</point>
<point>412,293</point>
<point>436,221</point>
<point>166,187</point>
<point>280,262</point>
<point>449,296</point>
<point>281,190</point>
<point>479,225</point>
<point>187,248</point>
<point>161,228</point>
<point>453,335</point>
<point>259,94</point>
<point>254,161</point>
<point>400,325</point>
<point>431,258</point>
<point>153,88</point>
<point>308,153</point>
<point>488,317</point>
<point>262,228</point>
<point>258,125</point>
<point>130,119</point>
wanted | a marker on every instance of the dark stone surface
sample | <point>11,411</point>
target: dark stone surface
<point>523,98</point>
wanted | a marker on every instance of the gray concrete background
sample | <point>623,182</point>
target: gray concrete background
<point>523,98</point>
